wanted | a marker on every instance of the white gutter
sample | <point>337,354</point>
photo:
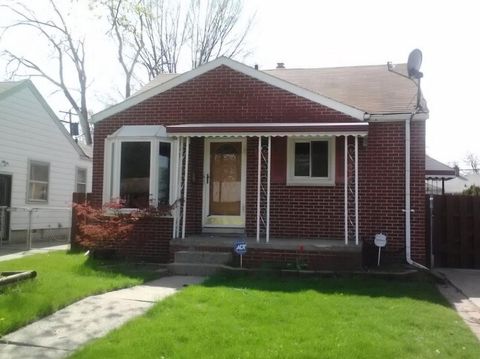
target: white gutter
<point>408,210</point>
<point>397,117</point>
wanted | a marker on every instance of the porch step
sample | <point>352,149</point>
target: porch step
<point>201,263</point>
<point>194,269</point>
<point>204,257</point>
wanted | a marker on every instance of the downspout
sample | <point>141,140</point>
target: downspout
<point>408,238</point>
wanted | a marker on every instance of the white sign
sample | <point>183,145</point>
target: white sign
<point>380,240</point>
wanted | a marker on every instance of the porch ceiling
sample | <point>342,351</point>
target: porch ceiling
<point>268,129</point>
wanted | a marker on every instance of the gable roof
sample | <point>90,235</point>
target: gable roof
<point>373,88</point>
<point>357,91</point>
<point>163,84</point>
<point>435,169</point>
<point>11,87</point>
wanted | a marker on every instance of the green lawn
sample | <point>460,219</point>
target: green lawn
<point>62,278</point>
<point>246,317</point>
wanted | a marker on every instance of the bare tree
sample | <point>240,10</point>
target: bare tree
<point>126,27</point>
<point>215,30</point>
<point>210,28</point>
<point>472,161</point>
<point>164,35</point>
<point>67,50</point>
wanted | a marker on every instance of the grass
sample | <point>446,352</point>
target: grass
<point>62,278</point>
<point>248,317</point>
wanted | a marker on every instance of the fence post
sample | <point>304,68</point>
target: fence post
<point>29,229</point>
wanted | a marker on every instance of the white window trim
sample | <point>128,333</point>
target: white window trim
<point>293,180</point>
<point>112,162</point>
<point>28,198</point>
<point>77,169</point>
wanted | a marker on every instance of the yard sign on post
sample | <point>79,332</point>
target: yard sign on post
<point>240,247</point>
<point>380,241</point>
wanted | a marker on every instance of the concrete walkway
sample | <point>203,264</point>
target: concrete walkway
<point>462,290</point>
<point>14,251</point>
<point>61,333</point>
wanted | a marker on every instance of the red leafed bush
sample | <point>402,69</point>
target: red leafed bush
<point>101,227</point>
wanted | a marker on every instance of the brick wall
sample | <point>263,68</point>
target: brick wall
<point>382,187</point>
<point>149,241</point>
<point>223,95</point>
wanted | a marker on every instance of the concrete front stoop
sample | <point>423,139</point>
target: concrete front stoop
<point>199,263</point>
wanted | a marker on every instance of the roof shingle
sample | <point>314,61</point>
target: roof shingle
<point>372,89</point>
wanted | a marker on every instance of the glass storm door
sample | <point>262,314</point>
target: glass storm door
<point>224,183</point>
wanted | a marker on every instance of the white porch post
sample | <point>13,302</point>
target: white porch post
<point>178,192</point>
<point>187,150</point>
<point>259,178</point>
<point>356,190</point>
<point>175,169</point>
<point>345,180</point>
<point>267,237</point>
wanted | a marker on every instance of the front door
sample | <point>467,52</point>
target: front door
<point>5,197</point>
<point>224,183</point>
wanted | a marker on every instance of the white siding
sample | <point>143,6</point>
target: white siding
<point>27,132</point>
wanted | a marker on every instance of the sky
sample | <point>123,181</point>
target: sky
<point>325,33</point>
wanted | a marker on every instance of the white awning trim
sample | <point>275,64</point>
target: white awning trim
<point>273,134</point>
<point>140,131</point>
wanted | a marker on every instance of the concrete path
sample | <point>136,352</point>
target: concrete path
<point>63,332</point>
<point>466,280</point>
<point>462,290</point>
<point>8,252</point>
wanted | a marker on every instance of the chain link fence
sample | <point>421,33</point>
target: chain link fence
<point>34,227</point>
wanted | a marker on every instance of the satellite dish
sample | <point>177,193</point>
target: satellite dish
<point>414,63</point>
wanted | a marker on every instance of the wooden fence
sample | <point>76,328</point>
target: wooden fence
<point>453,228</point>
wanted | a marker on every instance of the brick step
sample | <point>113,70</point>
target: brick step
<point>194,269</point>
<point>203,257</point>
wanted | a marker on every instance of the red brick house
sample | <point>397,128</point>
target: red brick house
<point>294,159</point>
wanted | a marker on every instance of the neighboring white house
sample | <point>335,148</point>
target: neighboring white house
<point>463,182</point>
<point>40,165</point>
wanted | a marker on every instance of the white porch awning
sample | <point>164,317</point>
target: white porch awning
<point>269,129</point>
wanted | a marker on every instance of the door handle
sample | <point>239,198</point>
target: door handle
<point>207,178</point>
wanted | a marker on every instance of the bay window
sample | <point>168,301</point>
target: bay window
<point>138,167</point>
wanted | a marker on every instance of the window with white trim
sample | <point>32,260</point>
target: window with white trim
<point>311,161</point>
<point>81,180</point>
<point>138,169</point>
<point>38,179</point>
<point>135,174</point>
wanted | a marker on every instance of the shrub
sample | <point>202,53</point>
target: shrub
<point>473,190</point>
<point>112,223</point>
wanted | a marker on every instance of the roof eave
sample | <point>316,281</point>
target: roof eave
<point>56,120</point>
